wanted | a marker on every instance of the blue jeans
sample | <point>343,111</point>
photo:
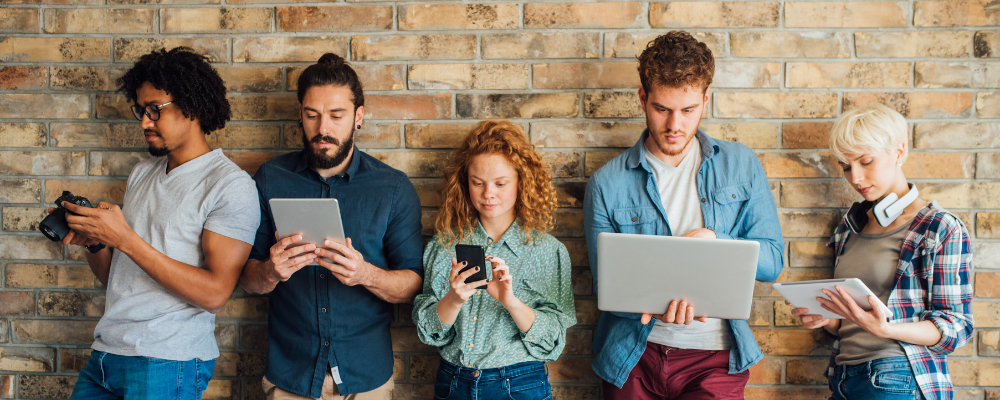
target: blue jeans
<point>527,380</point>
<point>109,376</point>
<point>882,379</point>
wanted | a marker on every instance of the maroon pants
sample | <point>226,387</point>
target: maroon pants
<point>680,374</point>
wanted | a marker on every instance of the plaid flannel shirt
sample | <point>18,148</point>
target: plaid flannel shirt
<point>933,284</point>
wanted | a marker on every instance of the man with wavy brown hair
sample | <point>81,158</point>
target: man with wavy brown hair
<point>678,181</point>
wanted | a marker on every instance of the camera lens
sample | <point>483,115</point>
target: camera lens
<point>54,226</point>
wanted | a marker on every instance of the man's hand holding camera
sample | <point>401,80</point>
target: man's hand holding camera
<point>104,224</point>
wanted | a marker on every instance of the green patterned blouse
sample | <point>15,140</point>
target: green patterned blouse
<point>484,335</point>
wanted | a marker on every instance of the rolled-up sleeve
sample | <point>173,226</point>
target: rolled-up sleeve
<point>437,265</point>
<point>554,310</point>
<point>951,289</point>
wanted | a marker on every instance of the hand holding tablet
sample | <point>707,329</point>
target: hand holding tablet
<point>805,294</point>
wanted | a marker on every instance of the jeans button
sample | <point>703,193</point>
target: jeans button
<point>475,374</point>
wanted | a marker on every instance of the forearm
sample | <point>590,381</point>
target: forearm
<point>399,286</point>
<point>100,264</point>
<point>833,327</point>
<point>523,315</point>
<point>448,309</point>
<point>197,286</point>
<point>255,278</point>
<point>923,333</point>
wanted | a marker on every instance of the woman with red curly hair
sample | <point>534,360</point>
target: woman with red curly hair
<point>494,342</point>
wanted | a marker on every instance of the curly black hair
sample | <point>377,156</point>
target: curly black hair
<point>198,90</point>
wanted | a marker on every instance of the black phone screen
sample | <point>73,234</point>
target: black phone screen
<point>476,257</point>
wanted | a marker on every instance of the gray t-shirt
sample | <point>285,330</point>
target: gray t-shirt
<point>873,259</point>
<point>678,187</point>
<point>169,211</point>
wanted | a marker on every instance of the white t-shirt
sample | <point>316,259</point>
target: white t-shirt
<point>169,211</point>
<point>678,187</point>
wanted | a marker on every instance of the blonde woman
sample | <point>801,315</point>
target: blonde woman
<point>494,342</point>
<point>912,254</point>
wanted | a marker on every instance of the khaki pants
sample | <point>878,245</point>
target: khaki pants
<point>329,392</point>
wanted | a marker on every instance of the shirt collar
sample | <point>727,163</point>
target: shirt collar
<point>352,169</point>
<point>513,238</point>
<point>636,158</point>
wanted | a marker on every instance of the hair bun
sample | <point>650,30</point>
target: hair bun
<point>330,58</point>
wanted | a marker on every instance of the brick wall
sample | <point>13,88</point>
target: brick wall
<point>564,71</point>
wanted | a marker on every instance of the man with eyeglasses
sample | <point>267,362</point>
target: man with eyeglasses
<point>176,248</point>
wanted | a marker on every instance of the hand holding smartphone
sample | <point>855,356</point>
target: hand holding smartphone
<point>475,256</point>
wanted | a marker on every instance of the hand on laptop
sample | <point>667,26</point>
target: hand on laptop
<point>676,313</point>
<point>701,233</point>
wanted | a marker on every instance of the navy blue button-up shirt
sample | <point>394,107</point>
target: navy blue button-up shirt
<point>315,322</point>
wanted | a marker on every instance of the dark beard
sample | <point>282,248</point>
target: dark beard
<point>159,151</point>
<point>318,159</point>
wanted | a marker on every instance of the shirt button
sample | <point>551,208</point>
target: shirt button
<point>323,309</point>
<point>734,196</point>
<point>471,345</point>
<point>634,219</point>
<point>475,318</point>
<point>327,343</point>
<point>702,200</point>
<point>439,327</point>
<point>529,337</point>
<point>322,276</point>
<point>479,292</point>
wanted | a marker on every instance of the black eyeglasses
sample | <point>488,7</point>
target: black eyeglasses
<point>151,111</point>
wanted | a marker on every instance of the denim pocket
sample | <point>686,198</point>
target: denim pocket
<point>529,386</point>
<point>156,360</point>
<point>442,385</point>
<point>896,382</point>
<point>640,220</point>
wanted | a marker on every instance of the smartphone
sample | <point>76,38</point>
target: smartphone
<point>476,257</point>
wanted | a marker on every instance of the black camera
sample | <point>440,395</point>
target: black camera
<point>55,227</point>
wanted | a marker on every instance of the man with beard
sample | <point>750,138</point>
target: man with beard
<point>678,181</point>
<point>328,325</point>
<point>175,249</point>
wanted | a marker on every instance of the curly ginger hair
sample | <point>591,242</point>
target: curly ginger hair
<point>536,197</point>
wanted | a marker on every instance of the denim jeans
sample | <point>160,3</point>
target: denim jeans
<point>109,376</point>
<point>522,381</point>
<point>882,379</point>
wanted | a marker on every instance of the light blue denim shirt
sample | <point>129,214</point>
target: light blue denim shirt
<point>736,203</point>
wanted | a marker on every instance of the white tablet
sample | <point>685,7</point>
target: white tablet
<point>315,219</point>
<point>643,273</point>
<point>803,295</point>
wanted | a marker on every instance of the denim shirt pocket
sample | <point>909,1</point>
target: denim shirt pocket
<point>639,220</point>
<point>728,203</point>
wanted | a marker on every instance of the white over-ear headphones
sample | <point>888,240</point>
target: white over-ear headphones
<point>891,207</point>
<point>886,210</point>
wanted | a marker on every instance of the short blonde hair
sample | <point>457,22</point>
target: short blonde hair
<point>867,128</point>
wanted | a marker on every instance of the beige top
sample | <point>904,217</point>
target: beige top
<point>873,259</point>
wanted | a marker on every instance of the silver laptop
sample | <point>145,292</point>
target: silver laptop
<point>642,273</point>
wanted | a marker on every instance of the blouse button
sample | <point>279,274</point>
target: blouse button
<point>634,219</point>
<point>475,318</point>
<point>734,196</point>
<point>702,200</point>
